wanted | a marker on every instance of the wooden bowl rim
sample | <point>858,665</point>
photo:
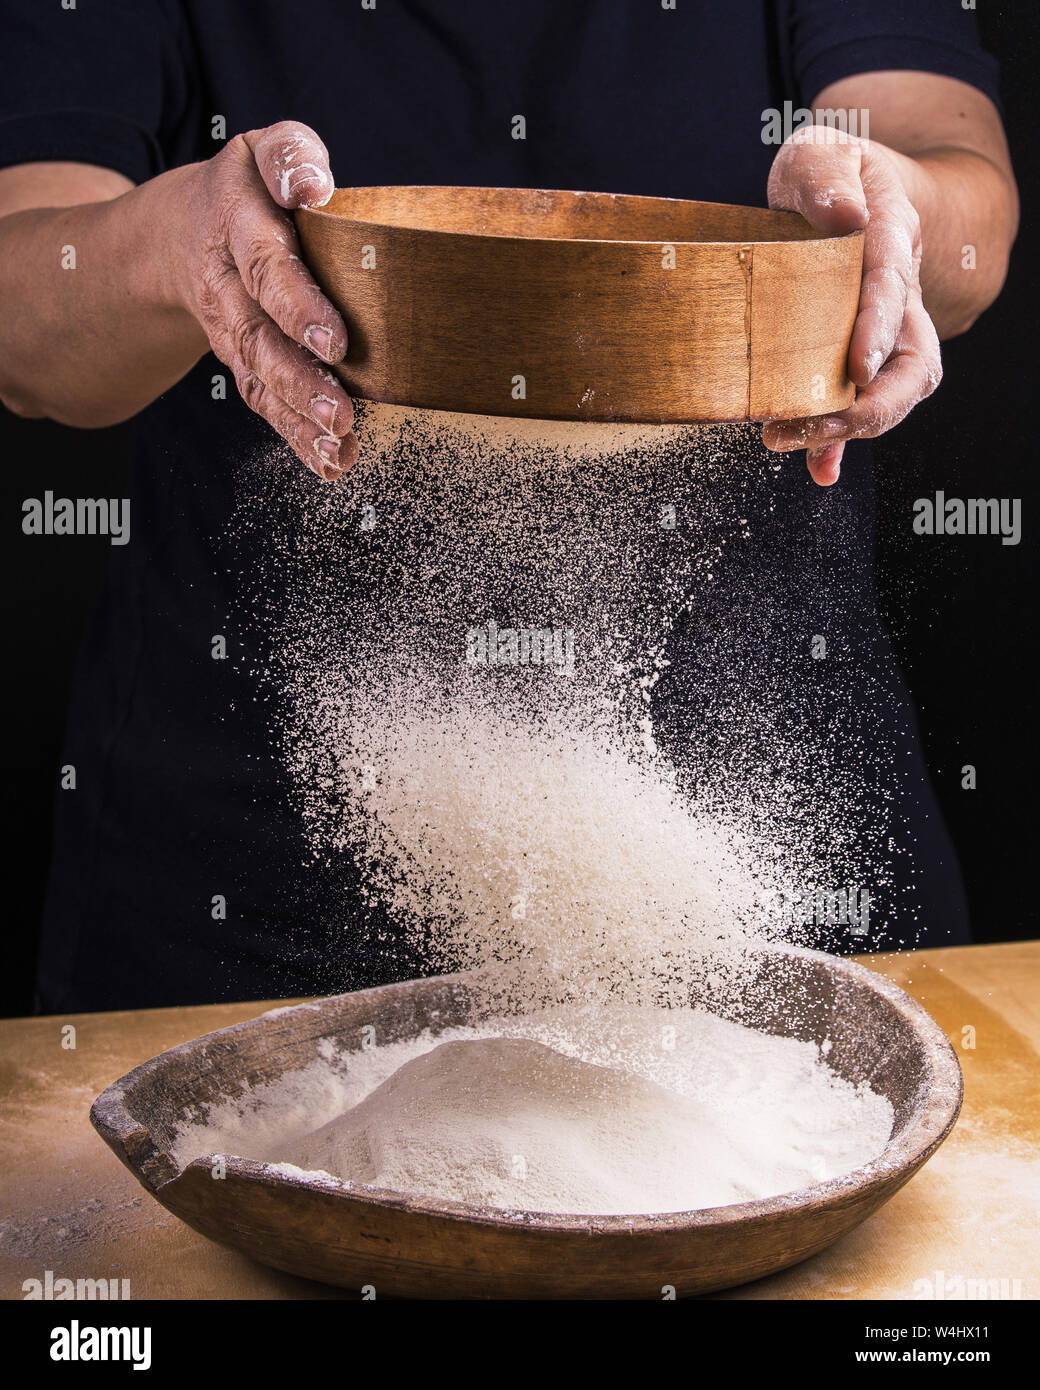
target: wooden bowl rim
<point>901,1157</point>
<point>781,214</point>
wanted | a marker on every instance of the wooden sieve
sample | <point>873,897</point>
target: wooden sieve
<point>585,306</point>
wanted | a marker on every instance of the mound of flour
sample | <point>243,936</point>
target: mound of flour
<point>616,1109</point>
<point>509,1122</point>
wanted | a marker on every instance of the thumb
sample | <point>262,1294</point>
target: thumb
<point>818,173</point>
<point>293,163</point>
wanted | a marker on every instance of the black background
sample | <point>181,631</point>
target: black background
<point>960,609</point>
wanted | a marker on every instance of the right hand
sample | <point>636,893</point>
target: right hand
<point>240,274</point>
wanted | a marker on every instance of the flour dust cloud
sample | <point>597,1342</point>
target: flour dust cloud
<point>540,692</point>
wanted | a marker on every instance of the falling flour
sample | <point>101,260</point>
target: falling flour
<point>543,849</point>
<point>478,623</point>
<point>527,813</point>
<point>642,1111</point>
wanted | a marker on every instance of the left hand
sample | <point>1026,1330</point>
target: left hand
<point>840,183</point>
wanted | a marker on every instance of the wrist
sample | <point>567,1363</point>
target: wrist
<point>160,234</point>
<point>917,180</point>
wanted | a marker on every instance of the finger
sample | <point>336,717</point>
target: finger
<point>243,332</point>
<point>293,163</point>
<point>823,460</point>
<point>840,184</point>
<point>326,455</point>
<point>263,244</point>
<point>891,253</point>
<point>825,464</point>
<point>811,432</point>
<point>817,173</point>
<point>910,375</point>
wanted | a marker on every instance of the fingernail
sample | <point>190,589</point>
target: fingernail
<point>836,202</point>
<point>323,410</point>
<point>790,436</point>
<point>319,340</point>
<point>873,364</point>
<point>831,427</point>
<point>296,178</point>
<point>327,449</point>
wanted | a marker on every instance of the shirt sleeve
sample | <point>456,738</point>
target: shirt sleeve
<point>833,39</point>
<point>102,83</point>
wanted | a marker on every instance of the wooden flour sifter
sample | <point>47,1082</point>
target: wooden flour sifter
<point>585,306</point>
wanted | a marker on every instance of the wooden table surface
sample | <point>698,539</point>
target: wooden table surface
<point>68,1205</point>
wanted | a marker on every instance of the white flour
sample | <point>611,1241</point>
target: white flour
<point>644,1110</point>
<point>540,848</point>
<point>532,822</point>
<point>505,813</point>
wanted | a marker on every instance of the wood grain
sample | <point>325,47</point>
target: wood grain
<point>608,306</point>
<point>417,1248</point>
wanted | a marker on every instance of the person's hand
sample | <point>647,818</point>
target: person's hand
<point>239,272</point>
<point>840,184</point>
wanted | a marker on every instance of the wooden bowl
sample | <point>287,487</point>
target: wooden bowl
<point>585,306</point>
<point>425,1249</point>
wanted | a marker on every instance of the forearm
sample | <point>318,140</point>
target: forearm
<point>93,328</point>
<point>945,141</point>
<point>969,216</point>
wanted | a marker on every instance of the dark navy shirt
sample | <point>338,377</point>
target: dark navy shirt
<point>180,796</point>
